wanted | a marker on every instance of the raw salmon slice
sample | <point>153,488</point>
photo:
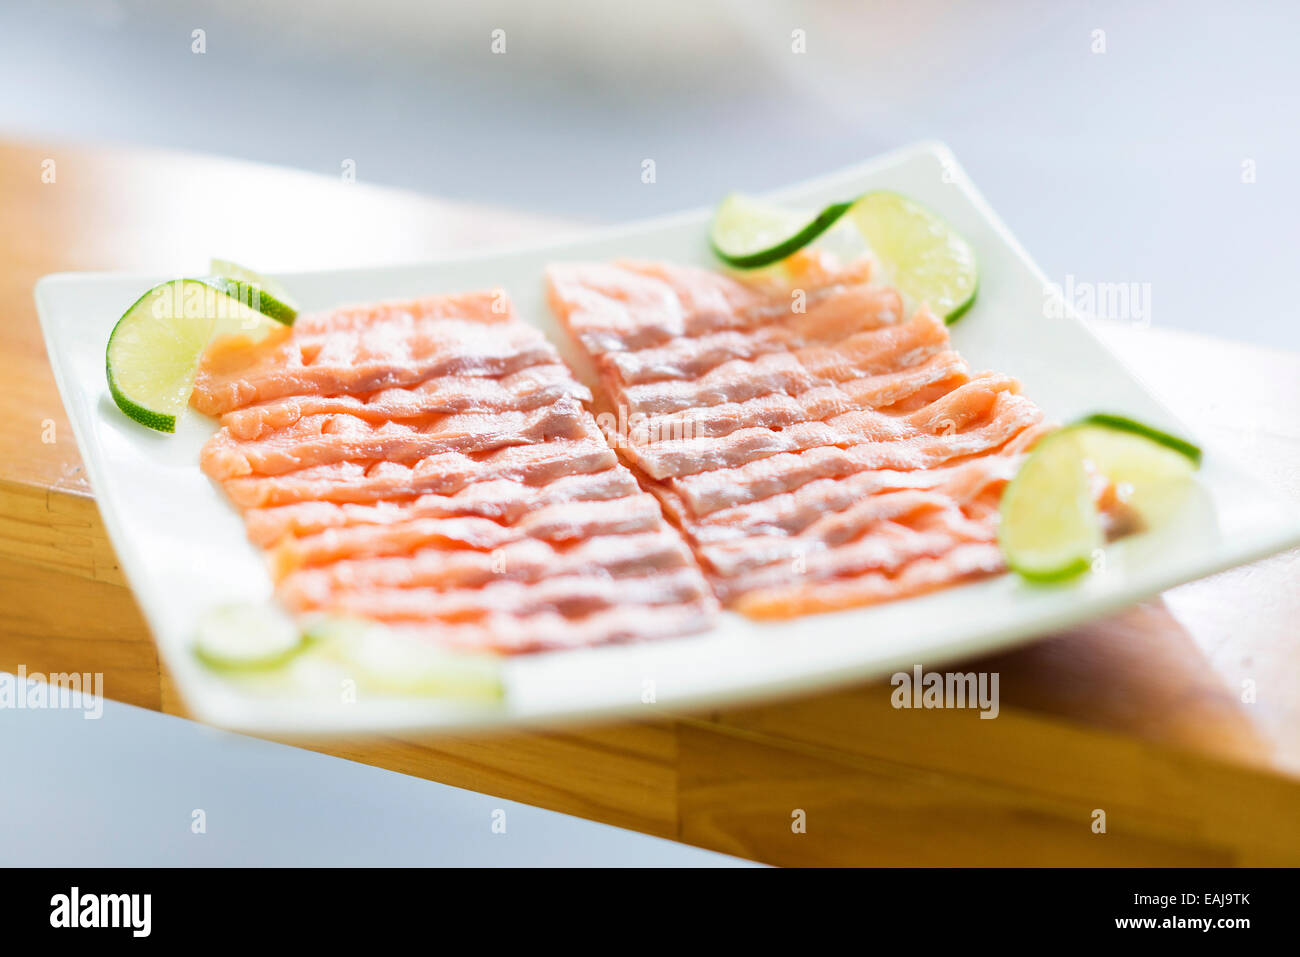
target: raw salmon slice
<point>552,631</point>
<point>573,596</point>
<point>817,448</point>
<point>341,437</point>
<point>500,499</point>
<point>524,391</point>
<point>358,350</point>
<point>569,521</point>
<point>432,464</point>
<point>445,473</point>
<point>525,560</point>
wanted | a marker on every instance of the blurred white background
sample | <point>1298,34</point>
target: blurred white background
<point>1112,167</point>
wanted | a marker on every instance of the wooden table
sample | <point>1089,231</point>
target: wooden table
<point>1141,716</point>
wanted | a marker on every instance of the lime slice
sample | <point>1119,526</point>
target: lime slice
<point>389,663</point>
<point>1049,524</point>
<point>247,638</point>
<point>1050,527</point>
<point>1118,423</point>
<point>260,292</point>
<point>748,234</point>
<point>922,255</point>
<point>154,350</point>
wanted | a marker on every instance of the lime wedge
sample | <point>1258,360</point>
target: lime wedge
<point>748,234</point>
<point>247,638</point>
<point>256,640</point>
<point>154,350</point>
<point>1049,524</point>
<point>923,256</point>
<point>261,292</point>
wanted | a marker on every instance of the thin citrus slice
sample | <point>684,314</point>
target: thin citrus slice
<point>388,663</point>
<point>261,292</point>
<point>247,638</point>
<point>923,256</point>
<point>1049,526</point>
<point>748,234</point>
<point>154,350</point>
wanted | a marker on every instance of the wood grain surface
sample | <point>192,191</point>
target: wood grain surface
<point>1140,716</point>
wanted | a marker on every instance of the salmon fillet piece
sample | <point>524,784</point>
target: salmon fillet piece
<point>791,513</point>
<point>553,631</point>
<point>573,596</point>
<point>525,560</point>
<point>817,447</point>
<point>361,349</point>
<point>914,578</point>
<point>324,439</point>
<point>632,304</point>
<point>432,464</point>
<point>377,480</point>
<point>687,358</point>
<point>569,521</point>
<point>708,491</point>
<point>500,499</point>
<point>524,391</point>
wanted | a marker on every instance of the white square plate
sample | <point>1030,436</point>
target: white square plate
<point>183,548</point>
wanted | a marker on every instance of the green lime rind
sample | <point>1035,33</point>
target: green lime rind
<point>732,252</point>
<point>254,296</point>
<point>925,257</point>
<point>963,308</point>
<point>279,306</point>
<point>1049,527</point>
<point>1049,576</point>
<point>1124,424</point>
<point>158,421</point>
<point>249,666</point>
